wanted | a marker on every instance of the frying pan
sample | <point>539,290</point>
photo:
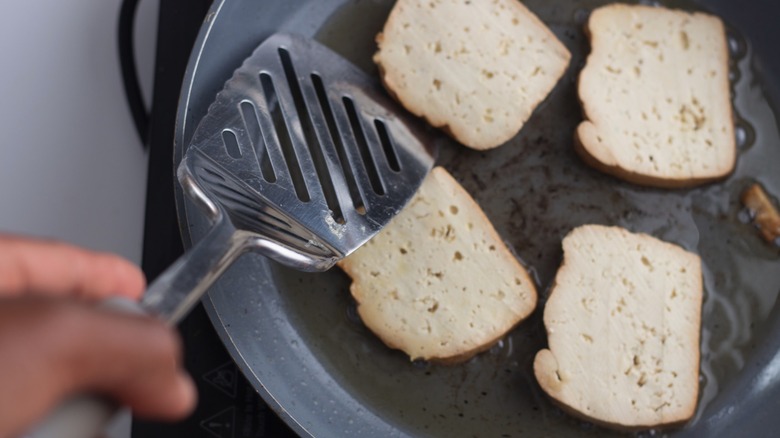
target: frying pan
<point>298,339</point>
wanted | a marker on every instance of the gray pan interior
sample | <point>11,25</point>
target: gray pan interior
<point>297,337</point>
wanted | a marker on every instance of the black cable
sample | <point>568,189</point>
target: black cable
<point>135,100</point>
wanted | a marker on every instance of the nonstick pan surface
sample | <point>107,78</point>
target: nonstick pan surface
<point>297,336</point>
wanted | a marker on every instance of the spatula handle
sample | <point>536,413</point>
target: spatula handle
<point>79,417</point>
<point>173,294</point>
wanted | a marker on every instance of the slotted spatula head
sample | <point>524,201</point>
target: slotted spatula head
<point>306,152</point>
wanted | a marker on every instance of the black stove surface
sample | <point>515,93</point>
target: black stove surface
<point>228,406</point>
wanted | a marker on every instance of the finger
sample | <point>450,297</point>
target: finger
<point>137,362</point>
<point>56,268</point>
<point>53,349</point>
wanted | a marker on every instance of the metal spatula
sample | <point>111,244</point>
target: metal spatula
<point>302,158</point>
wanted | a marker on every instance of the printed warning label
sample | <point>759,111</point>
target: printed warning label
<point>224,378</point>
<point>221,424</point>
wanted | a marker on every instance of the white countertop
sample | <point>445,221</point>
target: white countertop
<point>71,164</point>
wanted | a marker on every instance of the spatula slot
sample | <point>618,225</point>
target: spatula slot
<point>255,134</point>
<point>333,130</point>
<point>283,135</point>
<point>362,144</point>
<point>310,137</point>
<point>231,144</point>
<point>387,145</point>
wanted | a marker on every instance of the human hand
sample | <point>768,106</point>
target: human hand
<point>55,341</point>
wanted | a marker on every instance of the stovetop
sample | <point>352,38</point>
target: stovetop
<point>228,406</point>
